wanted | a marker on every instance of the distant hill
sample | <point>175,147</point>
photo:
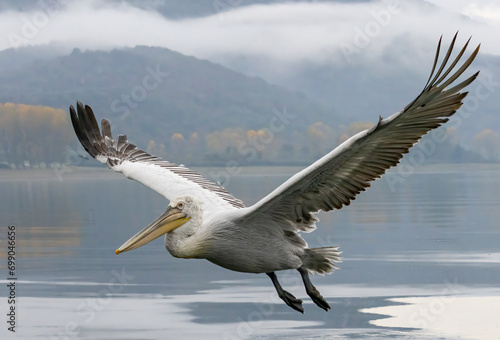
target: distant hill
<point>149,91</point>
<point>182,108</point>
<point>363,89</point>
<point>198,111</point>
<point>155,96</point>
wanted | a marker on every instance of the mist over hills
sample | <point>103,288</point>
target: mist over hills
<point>234,74</point>
<point>174,9</point>
<point>299,45</point>
<point>362,91</point>
<point>156,92</point>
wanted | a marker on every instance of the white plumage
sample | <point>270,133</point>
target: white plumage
<point>203,220</point>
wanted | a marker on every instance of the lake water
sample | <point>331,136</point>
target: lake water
<point>421,260</point>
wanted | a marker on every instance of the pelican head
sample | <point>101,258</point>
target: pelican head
<point>178,214</point>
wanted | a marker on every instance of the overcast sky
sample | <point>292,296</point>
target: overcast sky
<point>485,11</point>
<point>323,32</point>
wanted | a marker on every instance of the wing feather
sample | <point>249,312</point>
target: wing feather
<point>166,178</point>
<point>334,180</point>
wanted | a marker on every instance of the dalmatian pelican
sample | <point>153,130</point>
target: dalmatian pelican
<point>204,221</point>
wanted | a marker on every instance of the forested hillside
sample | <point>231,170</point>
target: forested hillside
<point>178,107</point>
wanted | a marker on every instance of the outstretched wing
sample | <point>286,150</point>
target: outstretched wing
<point>336,179</point>
<point>168,179</point>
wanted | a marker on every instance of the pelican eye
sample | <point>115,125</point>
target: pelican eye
<point>180,205</point>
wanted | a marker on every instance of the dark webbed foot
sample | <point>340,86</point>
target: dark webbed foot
<point>318,299</point>
<point>312,291</point>
<point>289,299</point>
<point>292,301</point>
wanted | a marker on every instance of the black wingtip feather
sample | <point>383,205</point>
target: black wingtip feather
<point>106,129</point>
<point>114,152</point>
<point>369,155</point>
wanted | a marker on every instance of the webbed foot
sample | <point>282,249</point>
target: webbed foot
<point>312,291</point>
<point>289,299</point>
<point>292,301</point>
<point>318,299</point>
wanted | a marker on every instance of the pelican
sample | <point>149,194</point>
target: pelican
<point>204,221</point>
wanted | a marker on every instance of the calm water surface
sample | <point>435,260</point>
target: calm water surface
<point>421,260</point>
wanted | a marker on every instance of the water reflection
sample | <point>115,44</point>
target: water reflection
<point>446,315</point>
<point>46,214</point>
<point>400,248</point>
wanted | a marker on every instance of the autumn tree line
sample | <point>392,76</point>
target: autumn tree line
<point>33,135</point>
<point>41,136</point>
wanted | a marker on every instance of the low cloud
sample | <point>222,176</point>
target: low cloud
<point>290,32</point>
<point>488,12</point>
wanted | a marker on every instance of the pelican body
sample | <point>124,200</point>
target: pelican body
<point>204,221</point>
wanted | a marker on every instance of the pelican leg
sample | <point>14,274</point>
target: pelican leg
<point>312,291</point>
<point>289,299</point>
